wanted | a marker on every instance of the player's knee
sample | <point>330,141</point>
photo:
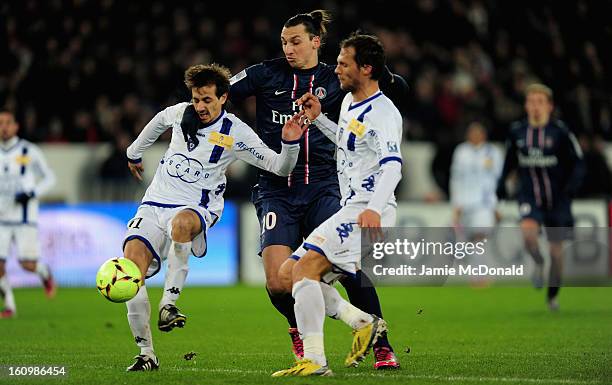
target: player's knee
<point>2,269</point>
<point>285,274</point>
<point>183,227</point>
<point>137,252</point>
<point>28,265</point>
<point>275,286</point>
<point>302,270</point>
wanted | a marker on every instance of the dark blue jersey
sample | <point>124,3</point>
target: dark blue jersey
<point>549,162</point>
<point>276,86</point>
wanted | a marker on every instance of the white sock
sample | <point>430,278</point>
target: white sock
<point>339,308</point>
<point>139,315</point>
<point>9,298</point>
<point>42,270</point>
<point>310,315</point>
<point>178,267</point>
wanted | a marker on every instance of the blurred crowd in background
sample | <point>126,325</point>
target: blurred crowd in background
<point>97,71</point>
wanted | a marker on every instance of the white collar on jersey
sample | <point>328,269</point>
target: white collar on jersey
<point>366,100</point>
<point>9,143</point>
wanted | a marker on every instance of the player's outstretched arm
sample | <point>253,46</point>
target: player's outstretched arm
<point>311,106</point>
<point>149,134</point>
<point>254,151</point>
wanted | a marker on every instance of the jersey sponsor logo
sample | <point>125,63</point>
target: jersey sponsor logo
<point>221,140</point>
<point>243,147</point>
<point>357,128</point>
<point>188,170</point>
<point>238,77</point>
<point>279,92</point>
<point>392,146</point>
<point>23,160</point>
<point>536,158</point>
<point>320,92</point>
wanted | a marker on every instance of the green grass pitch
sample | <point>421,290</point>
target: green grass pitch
<point>456,335</point>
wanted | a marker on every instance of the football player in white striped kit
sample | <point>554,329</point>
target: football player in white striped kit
<point>24,176</point>
<point>368,138</point>
<point>185,198</point>
<point>475,169</point>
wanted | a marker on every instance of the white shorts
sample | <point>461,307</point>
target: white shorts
<point>480,218</point>
<point>26,241</point>
<point>153,226</point>
<point>339,240</point>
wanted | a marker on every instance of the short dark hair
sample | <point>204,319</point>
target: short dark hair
<point>201,75</point>
<point>314,22</point>
<point>368,51</point>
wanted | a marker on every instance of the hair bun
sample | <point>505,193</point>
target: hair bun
<point>317,16</point>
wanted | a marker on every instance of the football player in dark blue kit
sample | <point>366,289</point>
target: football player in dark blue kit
<point>550,169</point>
<point>291,208</point>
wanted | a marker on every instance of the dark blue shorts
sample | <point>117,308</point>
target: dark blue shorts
<point>288,215</point>
<point>557,220</point>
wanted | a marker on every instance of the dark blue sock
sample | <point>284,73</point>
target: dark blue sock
<point>284,304</point>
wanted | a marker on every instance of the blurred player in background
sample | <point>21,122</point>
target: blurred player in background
<point>290,208</point>
<point>368,136</point>
<point>550,169</point>
<point>475,170</point>
<point>24,176</point>
<point>185,198</point>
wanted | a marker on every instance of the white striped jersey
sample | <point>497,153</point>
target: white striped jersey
<point>368,135</point>
<point>188,175</point>
<point>23,168</point>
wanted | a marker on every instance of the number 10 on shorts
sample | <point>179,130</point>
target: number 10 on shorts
<point>269,222</point>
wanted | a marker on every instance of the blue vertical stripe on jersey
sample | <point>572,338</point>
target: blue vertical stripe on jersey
<point>25,212</point>
<point>350,144</point>
<point>218,150</point>
<point>24,152</point>
<point>205,198</point>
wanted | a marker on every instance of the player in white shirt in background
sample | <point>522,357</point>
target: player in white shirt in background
<point>368,136</point>
<point>185,198</point>
<point>475,169</point>
<point>24,176</point>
